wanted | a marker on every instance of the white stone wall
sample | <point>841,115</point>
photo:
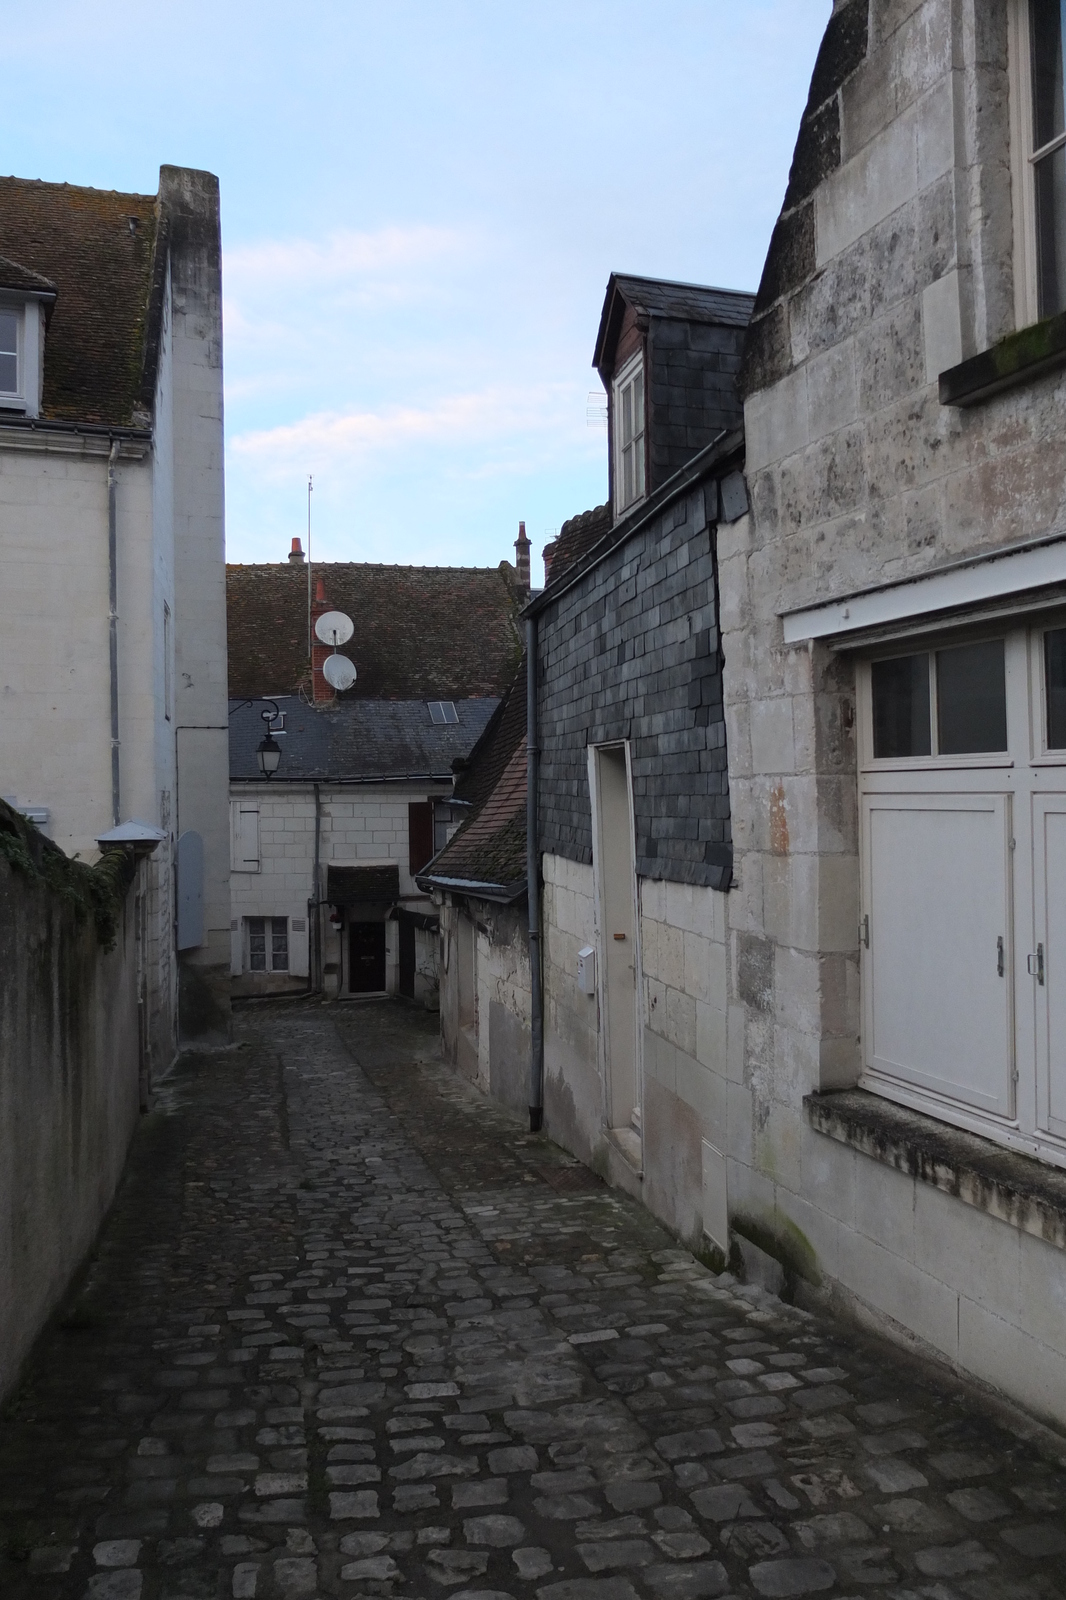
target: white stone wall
<point>859,476</point>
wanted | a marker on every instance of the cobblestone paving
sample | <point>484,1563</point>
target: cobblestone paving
<point>351,1331</point>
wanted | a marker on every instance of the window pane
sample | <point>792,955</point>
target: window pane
<point>279,944</point>
<point>901,707</point>
<point>1046,33</point>
<point>257,944</point>
<point>9,374</point>
<point>9,332</point>
<point>1055,680</point>
<point>1049,176</point>
<point>627,414</point>
<point>971,699</point>
<point>638,404</point>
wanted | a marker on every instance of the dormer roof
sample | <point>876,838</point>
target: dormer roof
<point>14,276</point>
<point>660,297</point>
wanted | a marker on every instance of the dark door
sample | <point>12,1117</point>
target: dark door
<point>366,957</point>
<point>407,958</point>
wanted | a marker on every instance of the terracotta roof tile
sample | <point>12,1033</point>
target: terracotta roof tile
<point>574,538</point>
<point>421,633</point>
<point>96,247</point>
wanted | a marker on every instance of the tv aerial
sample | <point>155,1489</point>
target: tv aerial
<point>334,628</point>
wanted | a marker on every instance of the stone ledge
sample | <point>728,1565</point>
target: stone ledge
<point>1017,359</point>
<point>1016,1188</point>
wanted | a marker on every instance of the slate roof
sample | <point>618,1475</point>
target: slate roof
<point>95,247</point>
<point>658,297</point>
<point>357,740</point>
<point>489,850</point>
<point>433,633</point>
<point>574,539</point>
<point>13,276</point>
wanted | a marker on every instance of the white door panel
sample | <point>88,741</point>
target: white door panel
<point>1049,956</point>
<point>937,1011</point>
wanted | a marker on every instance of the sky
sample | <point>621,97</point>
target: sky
<point>422,201</point>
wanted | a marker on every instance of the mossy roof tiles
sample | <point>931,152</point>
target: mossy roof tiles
<point>96,247</point>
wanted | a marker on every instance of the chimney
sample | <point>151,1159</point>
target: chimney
<point>321,693</point>
<point>548,552</point>
<point>296,554</point>
<point>521,560</point>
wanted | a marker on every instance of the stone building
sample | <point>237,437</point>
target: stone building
<point>895,646</point>
<point>325,852</point>
<point>112,605</point>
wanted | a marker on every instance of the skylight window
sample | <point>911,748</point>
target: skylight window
<point>442,712</point>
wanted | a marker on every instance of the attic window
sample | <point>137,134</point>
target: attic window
<point>629,433</point>
<point>9,352</point>
<point>442,712</point>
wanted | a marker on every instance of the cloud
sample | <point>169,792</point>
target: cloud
<point>280,264</point>
<point>491,417</point>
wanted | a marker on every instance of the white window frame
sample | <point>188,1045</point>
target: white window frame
<point>1023,156</point>
<point>26,397</point>
<point>1026,775</point>
<point>268,921</point>
<point>621,382</point>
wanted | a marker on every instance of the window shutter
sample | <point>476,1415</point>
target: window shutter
<point>245,851</point>
<point>420,834</point>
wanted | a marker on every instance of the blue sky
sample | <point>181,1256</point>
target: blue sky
<point>422,201</point>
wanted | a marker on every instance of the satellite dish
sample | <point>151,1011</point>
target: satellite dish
<point>334,628</point>
<point>338,670</point>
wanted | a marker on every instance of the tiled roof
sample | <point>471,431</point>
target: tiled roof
<point>96,247</point>
<point>574,538</point>
<point>490,848</point>
<point>433,633</point>
<point>658,297</point>
<point>357,739</point>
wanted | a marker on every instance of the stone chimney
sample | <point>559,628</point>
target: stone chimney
<point>521,559</point>
<point>296,554</point>
<point>321,693</point>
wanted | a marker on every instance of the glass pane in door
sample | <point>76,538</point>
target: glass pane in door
<point>1055,687</point>
<point>971,699</point>
<point>901,707</point>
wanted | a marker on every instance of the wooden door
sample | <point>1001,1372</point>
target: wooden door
<point>366,957</point>
<point>1047,962</point>
<point>407,958</point>
<point>938,966</point>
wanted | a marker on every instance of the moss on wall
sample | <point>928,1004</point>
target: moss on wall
<point>93,892</point>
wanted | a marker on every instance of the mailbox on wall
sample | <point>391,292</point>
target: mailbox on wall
<point>586,970</point>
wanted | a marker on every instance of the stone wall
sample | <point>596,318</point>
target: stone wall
<point>69,1060</point>
<point>892,261</point>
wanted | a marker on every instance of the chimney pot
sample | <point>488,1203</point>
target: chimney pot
<point>522,570</point>
<point>296,554</point>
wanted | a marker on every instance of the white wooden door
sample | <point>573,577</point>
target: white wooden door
<point>937,970</point>
<point>1047,962</point>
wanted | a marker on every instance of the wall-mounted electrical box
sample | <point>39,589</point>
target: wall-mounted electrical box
<point>586,970</point>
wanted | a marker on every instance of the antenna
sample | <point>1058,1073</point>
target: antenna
<point>310,486</point>
<point>339,672</point>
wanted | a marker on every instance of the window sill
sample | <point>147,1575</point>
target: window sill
<point>1017,359</point>
<point>1015,1188</point>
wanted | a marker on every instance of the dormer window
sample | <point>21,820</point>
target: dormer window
<point>10,329</point>
<point>628,405</point>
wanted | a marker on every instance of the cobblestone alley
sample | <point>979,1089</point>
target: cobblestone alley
<point>351,1331</point>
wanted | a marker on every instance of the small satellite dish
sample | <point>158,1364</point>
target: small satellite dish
<point>338,670</point>
<point>334,628</point>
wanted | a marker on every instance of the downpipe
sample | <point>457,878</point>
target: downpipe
<point>112,620</point>
<point>536,1063</point>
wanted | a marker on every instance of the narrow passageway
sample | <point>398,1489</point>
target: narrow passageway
<point>352,1331</point>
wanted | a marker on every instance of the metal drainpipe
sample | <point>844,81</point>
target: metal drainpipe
<point>112,596</point>
<point>314,906</point>
<point>536,1064</point>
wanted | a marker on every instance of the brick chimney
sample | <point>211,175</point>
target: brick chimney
<point>296,554</point>
<point>321,693</point>
<point>548,553</point>
<point>521,559</point>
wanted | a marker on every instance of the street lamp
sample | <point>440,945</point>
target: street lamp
<point>268,751</point>
<point>268,754</point>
